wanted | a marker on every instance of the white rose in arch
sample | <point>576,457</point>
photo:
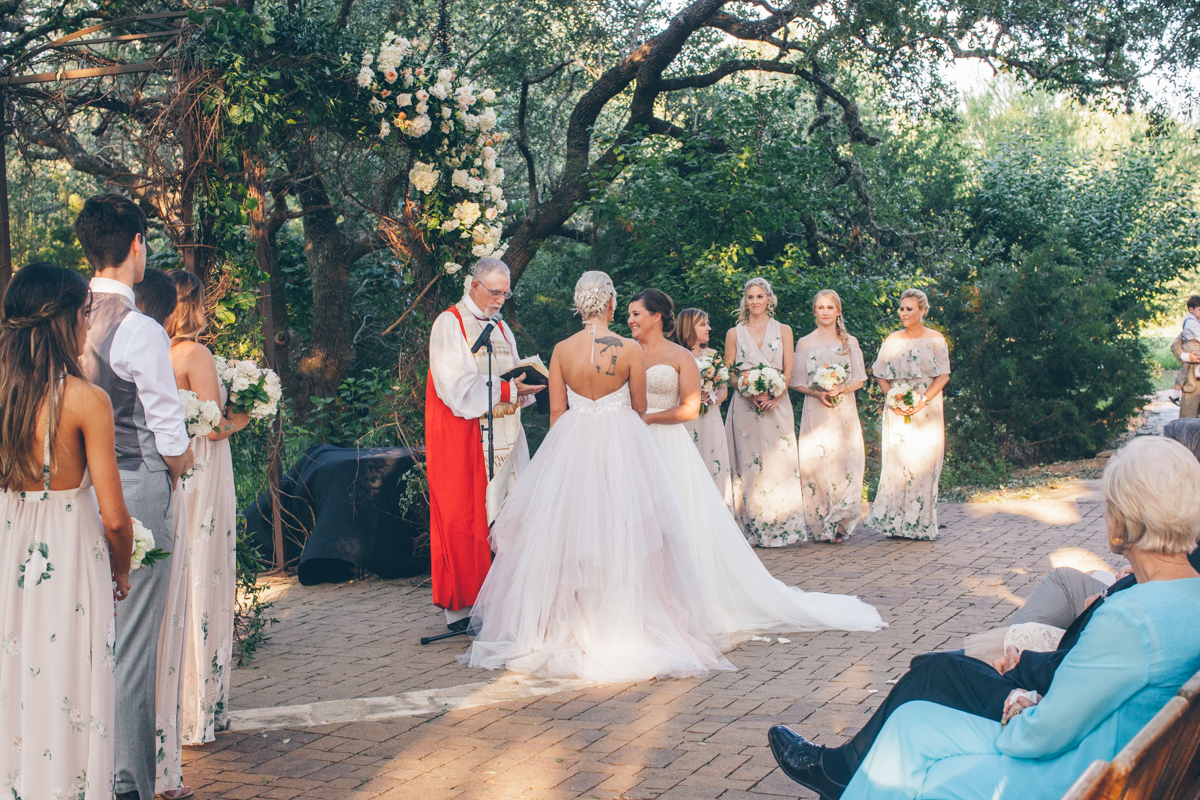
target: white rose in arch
<point>423,177</point>
<point>451,267</point>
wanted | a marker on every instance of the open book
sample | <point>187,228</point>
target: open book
<point>533,373</point>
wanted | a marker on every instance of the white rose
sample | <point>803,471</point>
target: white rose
<point>451,224</point>
<point>439,90</point>
<point>502,205</point>
<point>423,177</point>
<point>451,267</point>
<point>447,127</point>
<point>459,178</point>
<point>446,112</point>
<point>490,213</point>
<point>487,120</point>
<point>240,383</point>
<point>422,95</point>
<point>368,59</point>
<point>445,75</point>
<point>494,177</point>
<point>481,250</point>
<point>495,192</point>
<point>487,96</point>
<point>384,130</point>
<point>422,107</point>
<point>403,100</point>
<point>365,76</point>
<point>390,75</point>
<point>377,106</point>
<point>475,185</point>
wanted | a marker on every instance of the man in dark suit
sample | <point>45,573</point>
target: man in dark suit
<point>948,678</point>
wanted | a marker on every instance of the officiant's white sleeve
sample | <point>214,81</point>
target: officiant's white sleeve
<point>456,377</point>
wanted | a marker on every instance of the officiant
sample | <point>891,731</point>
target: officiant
<point>462,500</point>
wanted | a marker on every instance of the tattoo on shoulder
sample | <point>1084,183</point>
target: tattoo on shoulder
<point>610,341</point>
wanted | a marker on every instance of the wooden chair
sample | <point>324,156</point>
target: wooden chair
<point>1162,762</point>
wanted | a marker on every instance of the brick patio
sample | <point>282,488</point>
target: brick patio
<point>669,739</point>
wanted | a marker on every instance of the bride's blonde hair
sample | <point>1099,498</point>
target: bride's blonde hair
<point>593,291</point>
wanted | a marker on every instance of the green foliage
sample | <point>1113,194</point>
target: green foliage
<point>249,617</point>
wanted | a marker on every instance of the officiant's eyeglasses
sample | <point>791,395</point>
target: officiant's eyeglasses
<point>497,294</point>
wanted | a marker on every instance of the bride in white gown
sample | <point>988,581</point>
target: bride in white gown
<point>595,575</point>
<point>739,592</point>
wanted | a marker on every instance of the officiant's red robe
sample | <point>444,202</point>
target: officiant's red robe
<point>460,553</point>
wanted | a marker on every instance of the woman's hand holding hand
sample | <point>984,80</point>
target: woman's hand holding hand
<point>1018,700</point>
<point>121,587</point>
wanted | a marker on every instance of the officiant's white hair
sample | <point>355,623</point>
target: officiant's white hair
<point>486,266</point>
<point>593,291</point>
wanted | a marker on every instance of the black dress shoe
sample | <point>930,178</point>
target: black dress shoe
<point>131,795</point>
<point>800,760</point>
<point>460,625</point>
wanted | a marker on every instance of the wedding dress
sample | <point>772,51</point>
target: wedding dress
<point>739,593</point>
<point>594,575</point>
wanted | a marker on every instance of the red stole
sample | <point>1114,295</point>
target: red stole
<point>459,551</point>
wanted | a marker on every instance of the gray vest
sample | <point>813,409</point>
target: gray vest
<point>135,441</point>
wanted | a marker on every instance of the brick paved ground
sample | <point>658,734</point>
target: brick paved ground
<point>664,739</point>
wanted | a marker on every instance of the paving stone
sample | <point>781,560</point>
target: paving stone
<point>670,739</point>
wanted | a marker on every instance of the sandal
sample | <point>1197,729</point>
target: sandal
<point>177,794</point>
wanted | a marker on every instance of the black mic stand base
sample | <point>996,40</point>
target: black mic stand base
<point>440,636</point>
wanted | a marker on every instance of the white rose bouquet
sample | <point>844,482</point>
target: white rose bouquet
<point>713,375</point>
<point>905,397</point>
<point>201,417</point>
<point>252,389</point>
<point>828,376</point>
<point>762,379</point>
<point>145,554</point>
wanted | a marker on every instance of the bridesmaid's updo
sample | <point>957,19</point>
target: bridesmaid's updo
<point>921,298</point>
<point>593,292</point>
<point>657,302</point>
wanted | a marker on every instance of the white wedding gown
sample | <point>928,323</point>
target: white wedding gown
<point>595,574</point>
<point>739,593</point>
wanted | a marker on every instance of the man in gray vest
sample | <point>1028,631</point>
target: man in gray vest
<point>128,355</point>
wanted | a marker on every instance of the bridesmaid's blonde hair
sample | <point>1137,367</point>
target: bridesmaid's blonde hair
<point>772,300</point>
<point>921,298</point>
<point>839,325</point>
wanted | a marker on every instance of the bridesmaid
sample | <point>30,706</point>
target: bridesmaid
<point>832,456</point>
<point>761,431</point>
<point>210,507</point>
<point>707,430</point>
<point>906,504</point>
<point>64,546</point>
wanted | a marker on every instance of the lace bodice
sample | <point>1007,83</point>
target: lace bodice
<point>662,387</point>
<point>613,401</point>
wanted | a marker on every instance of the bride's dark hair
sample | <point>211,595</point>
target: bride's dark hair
<point>657,302</point>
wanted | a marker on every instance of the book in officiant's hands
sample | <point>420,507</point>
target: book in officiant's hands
<point>532,372</point>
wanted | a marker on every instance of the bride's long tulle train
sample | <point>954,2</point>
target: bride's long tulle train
<point>594,575</point>
<point>740,593</point>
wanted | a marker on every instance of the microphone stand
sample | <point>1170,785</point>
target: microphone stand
<point>491,469</point>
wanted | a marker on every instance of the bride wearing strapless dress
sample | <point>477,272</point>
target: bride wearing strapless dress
<point>739,593</point>
<point>595,575</point>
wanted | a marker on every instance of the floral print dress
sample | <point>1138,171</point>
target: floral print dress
<point>767,494</point>
<point>58,646</point>
<point>832,456</point>
<point>906,504</point>
<point>210,506</point>
<point>172,641</point>
<point>708,434</point>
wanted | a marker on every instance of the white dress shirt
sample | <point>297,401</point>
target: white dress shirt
<point>141,354</point>
<point>456,376</point>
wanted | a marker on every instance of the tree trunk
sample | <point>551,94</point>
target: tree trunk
<point>329,353</point>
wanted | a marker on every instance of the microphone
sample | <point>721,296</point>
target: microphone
<point>487,332</point>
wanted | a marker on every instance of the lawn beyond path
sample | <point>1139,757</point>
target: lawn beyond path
<point>669,739</point>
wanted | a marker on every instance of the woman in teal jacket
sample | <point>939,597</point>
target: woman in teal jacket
<point>1141,646</point>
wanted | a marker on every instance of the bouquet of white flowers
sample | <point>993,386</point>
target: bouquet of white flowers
<point>201,417</point>
<point>905,397</point>
<point>251,388</point>
<point>828,376</point>
<point>761,379</point>
<point>713,375</point>
<point>145,554</point>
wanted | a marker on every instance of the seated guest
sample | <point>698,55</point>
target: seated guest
<point>1186,431</point>
<point>1101,694</point>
